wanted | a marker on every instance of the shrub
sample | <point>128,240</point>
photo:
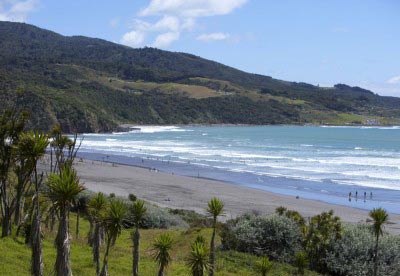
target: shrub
<point>192,218</point>
<point>301,262</point>
<point>353,253</point>
<point>132,197</point>
<point>277,237</point>
<point>157,217</point>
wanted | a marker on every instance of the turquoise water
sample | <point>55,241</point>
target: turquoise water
<point>324,163</point>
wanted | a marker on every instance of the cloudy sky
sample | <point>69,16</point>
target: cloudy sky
<point>356,42</point>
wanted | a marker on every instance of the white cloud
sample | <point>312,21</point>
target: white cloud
<point>191,8</point>
<point>177,16</point>
<point>133,38</point>
<point>15,10</point>
<point>170,23</point>
<point>394,80</point>
<point>213,37</point>
<point>164,40</point>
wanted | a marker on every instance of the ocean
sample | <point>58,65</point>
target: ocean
<point>319,163</point>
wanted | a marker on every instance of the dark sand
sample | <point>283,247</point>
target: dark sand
<point>190,193</point>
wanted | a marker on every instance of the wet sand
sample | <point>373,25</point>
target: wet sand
<point>173,191</point>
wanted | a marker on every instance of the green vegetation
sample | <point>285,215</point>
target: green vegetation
<point>175,245</point>
<point>91,85</point>
<point>162,247</point>
<point>323,244</point>
<point>15,255</point>
<point>379,217</point>
<point>215,209</point>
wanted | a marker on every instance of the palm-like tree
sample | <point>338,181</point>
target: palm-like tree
<point>30,148</point>
<point>264,265</point>
<point>11,126</point>
<point>379,218</point>
<point>198,260</point>
<point>215,208</point>
<point>63,189</point>
<point>138,212</point>
<point>161,252</point>
<point>113,223</point>
<point>97,212</point>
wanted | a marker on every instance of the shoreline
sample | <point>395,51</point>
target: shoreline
<point>191,193</point>
<point>127,126</point>
<point>325,192</point>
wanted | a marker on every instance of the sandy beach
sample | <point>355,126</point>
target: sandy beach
<point>173,191</point>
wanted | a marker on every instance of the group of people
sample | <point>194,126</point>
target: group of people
<point>356,196</point>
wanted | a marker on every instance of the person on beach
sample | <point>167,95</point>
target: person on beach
<point>365,196</point>
<point>370,195</point>
<point>356,195</point>
<point>349,196</point>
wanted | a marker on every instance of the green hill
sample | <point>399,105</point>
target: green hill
<point>91,85</point>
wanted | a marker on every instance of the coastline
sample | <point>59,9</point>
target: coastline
<point>126,127</point>
<point>191,193</point>
<point>323,191</point>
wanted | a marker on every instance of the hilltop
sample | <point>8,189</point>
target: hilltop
<point>92,85</point>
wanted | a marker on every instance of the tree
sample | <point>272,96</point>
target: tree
<point>161,252</point>
<point>32,146</point>
<point>97,212</point>
<point>79,206</point>
<point>379,218</point>
<point>11,126</point>
<point>138,212</point>
<point>280,210</point>
<point>301,262</point>
<point>264,266</point>
<point>63,189</point>
<point>64,148</point>
<point>322,230</point>
<point>198,260</point>
<point>113,223</point>
<point>215,208</point>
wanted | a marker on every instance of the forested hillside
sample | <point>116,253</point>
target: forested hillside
<point>91,85</point>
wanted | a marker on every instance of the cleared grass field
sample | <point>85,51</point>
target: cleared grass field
<point>15,255</point>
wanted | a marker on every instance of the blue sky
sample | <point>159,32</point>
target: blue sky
<point>324,42</point>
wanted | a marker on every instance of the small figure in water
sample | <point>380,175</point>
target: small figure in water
<point>356,195</point>
<point>370,195</point>
<point>350,196</point>
<point>365,196</point>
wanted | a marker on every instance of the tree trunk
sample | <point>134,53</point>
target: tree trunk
<point>376,256</point>
<point>63,265</point>
<point>36,239</point>
<point>6,223</point>
<point>136,239</point>
<point>18,207</point>
<point>96,248</point>
<point>36,242</point>
<point>161,271</point>
<point>104,270</point>
<point>90,237</point>
<point>52,218</point>
<point>212,249</point>
<point>77,224</point>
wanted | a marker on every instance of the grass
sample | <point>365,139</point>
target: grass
<point>15,255</point>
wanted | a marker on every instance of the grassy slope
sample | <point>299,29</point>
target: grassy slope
<point>15,256</point>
